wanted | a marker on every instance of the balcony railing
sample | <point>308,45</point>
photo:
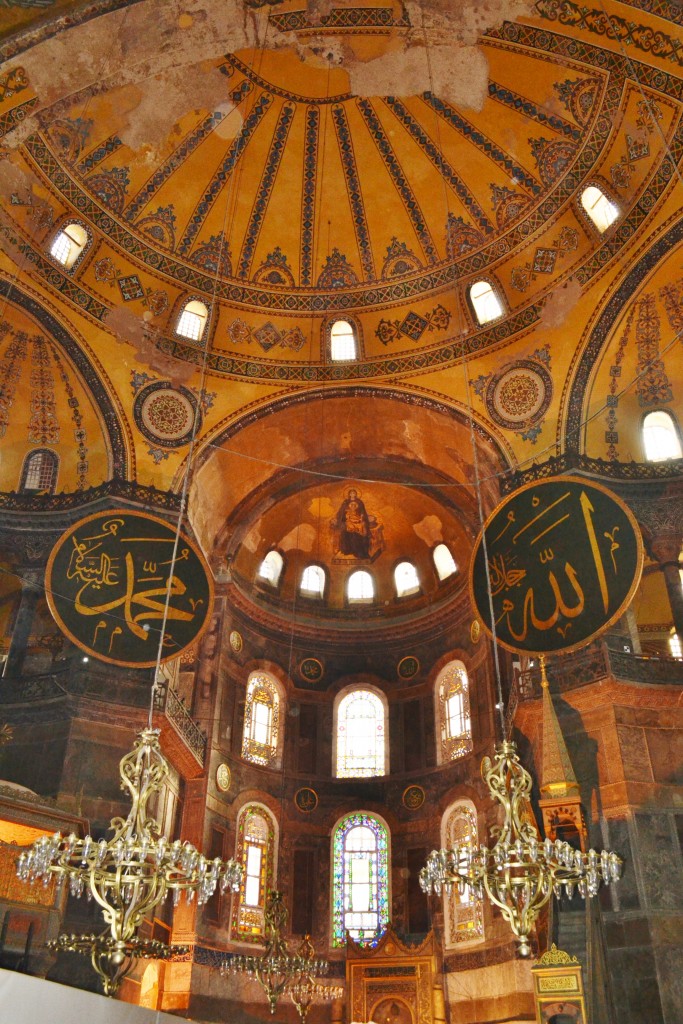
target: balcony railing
<point>168,704</point>
<point>595,662</point>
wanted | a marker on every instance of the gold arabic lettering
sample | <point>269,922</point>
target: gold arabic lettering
<point>529,615</point>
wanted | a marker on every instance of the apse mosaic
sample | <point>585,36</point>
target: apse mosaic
<point>358,531</point>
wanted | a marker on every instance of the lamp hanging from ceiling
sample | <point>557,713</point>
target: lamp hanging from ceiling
<point>519,873</point>
<point>278,970</point>
<point>112,961</point>
<point>131,873</point>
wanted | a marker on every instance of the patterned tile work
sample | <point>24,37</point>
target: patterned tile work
<point>442,165</point>
<point>348,161</point>
<point>308,197</point>
<point>351,18</point>
<point>545,258</point>
<point>43,426</point>
<point>603,326</point>
<point>653,387</point>
<point>478,139</point>
<point>590,19</point>
<point>91,377</point>
<point>237,147</point>
<point>399,179</point>
<point>11,118</point>
<point>179,155</point>
<point>269,87</point>
<point>11,368</point>
<point>525,106</point>
<point>267,336</point>
<point>612,400</point>
<point>77,416</point>
<point>97,155</point>
<point>265,189</point>
<point>12,82</point>
<point>413,325</point>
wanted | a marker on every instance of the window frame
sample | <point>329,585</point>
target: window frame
<point>348,822</point>
<point>452,575</point>
<point>609,195</point>
<point>450,747</point>
<point>452,902</point>
<point>263,581</point>
<point>676,430</point>
<point>25,469</point>
<point>327,339</point>
<point>406,595</point>
<point>341,697</point>
<point>267,873</point>
<point>62,229</point>
<point>497,290</point>
<point>178,310</point>
<point>360,602</point>
<point>253,751</point>
<point>317,595</point>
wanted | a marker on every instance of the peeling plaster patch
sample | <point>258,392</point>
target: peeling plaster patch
<point>301,537</point>
<point>321,509</point>
<point>560,303</point>
<point>429,530</point>
<point>274,445</point>
<point>14,180</point>
<point>252,539</point>
<point>165,98</point>
<point>130,329</point>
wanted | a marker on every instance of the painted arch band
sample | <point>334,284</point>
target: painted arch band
<point>556,564</point>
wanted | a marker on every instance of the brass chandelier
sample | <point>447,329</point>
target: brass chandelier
<point>278,970</point>
<point>112,961</point>
<point>132,872</point>
<point>518,874</point>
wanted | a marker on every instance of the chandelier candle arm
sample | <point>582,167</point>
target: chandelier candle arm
<point>132,872</point>
<point>518,874</point>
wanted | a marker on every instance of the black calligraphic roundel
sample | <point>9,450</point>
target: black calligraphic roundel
<point>556,564</point>
<point>116,583</point>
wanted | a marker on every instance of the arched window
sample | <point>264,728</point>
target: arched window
<point>271,567</point>
<point>599,208</point>
<point>463,913</point>
<point>343,343</point>
<point>485,303</point>
<point>660,437</point>
<point>261,736</point>
<point>68,244</point>
<point>256,852</point>
<point>192,320</point>
<point>360,879</point>
<point>360,588</point>
<point>313,581</point>
<point>406,579</point>
<point>453,713</point>
<point>360,734</point>
<point>444,562</point>
<point>39,472</point>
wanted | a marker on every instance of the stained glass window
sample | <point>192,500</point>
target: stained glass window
<point>463,913</point>
<point>260,739</point>
<point>360,879</point>
<point>454,727</point>
<point>256,833</point>
<point>360,735</point>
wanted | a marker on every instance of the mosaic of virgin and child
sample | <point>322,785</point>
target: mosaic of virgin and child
<point>358,532</point>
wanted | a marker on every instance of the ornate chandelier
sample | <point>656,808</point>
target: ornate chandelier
<point>277,970</point>
<point>113,961</point>
<point>131,873</point>
<point>305,990</point>
<point>518,874</point>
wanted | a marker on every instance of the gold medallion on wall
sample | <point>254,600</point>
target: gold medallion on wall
<point>413,798</point>
<point>223,777</point>
<point>306,800</point>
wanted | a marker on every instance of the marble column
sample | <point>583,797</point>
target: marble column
<point>31,590</point>
<point>666,547</point>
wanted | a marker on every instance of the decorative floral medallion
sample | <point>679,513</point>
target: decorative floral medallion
<point>311,670</point>
<point>165,414</point>
<point>223,777</point>
<point>236,641</point>
<point>408,667</point>
<point>413,798</point>
<point>519,395</point>
<point>306,800</point>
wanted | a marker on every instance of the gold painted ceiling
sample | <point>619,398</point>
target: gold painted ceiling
<point>289,164</point>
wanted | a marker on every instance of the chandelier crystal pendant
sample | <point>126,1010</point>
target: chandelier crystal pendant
<point>305,990</point>
<point>277,970</point>
<point>132,872</point>
<point>518,874</point>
